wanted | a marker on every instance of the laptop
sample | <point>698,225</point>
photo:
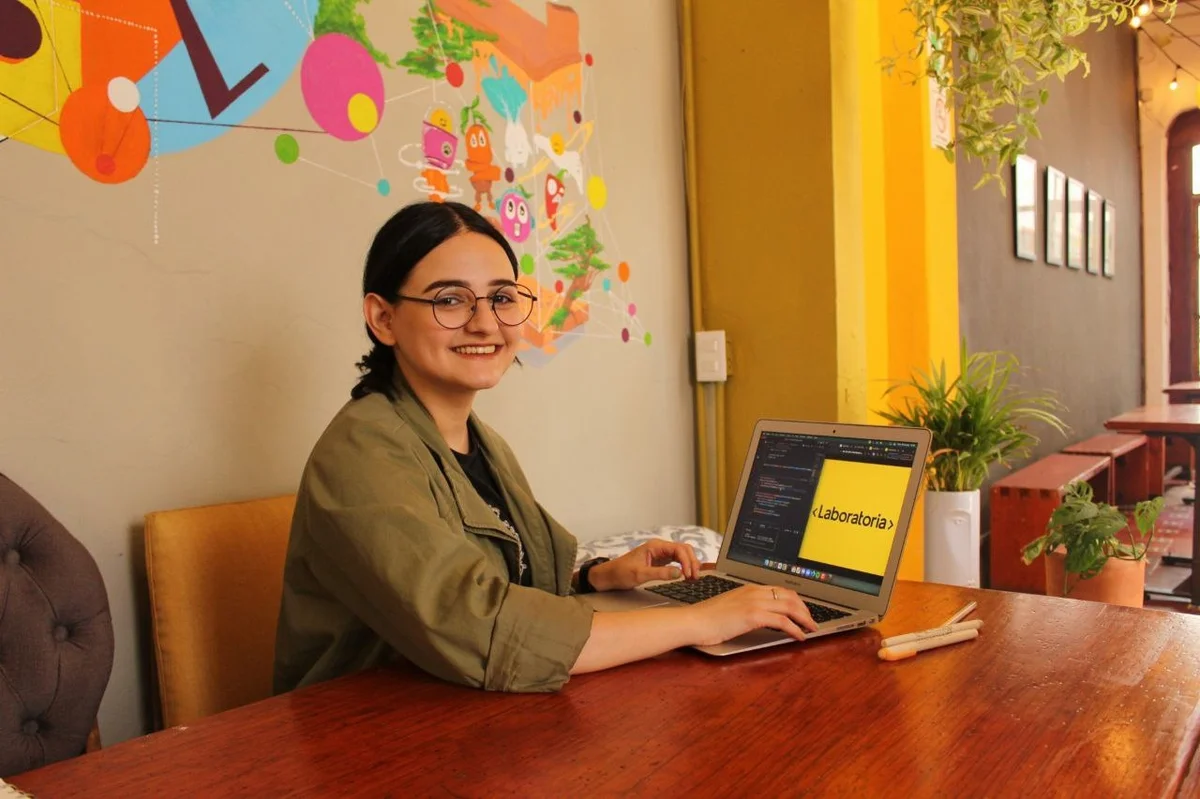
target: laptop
<point>822,509</point>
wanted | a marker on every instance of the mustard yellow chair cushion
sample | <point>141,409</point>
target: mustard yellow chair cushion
<point>215,576</point>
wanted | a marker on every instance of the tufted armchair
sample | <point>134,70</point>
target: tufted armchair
<point>56,636</point>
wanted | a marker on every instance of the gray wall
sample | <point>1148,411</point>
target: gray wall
<point>1075,333</point>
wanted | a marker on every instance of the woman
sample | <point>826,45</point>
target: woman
<point>416,533</point>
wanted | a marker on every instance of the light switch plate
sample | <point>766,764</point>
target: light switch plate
<point>711,364</point>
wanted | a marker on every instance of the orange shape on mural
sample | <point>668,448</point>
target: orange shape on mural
<point>119,37</point>
<point>105,144</point>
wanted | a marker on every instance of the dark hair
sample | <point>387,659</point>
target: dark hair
<point>411,234</point>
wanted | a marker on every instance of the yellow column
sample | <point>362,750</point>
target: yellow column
<point>920,199</point>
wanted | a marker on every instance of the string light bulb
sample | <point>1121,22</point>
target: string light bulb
<point>1136,22</point>
<point>1143,10</point>
<point>1175,80</point>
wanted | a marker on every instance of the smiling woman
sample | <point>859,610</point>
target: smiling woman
<point>426,271</point>
<point>416,534</point>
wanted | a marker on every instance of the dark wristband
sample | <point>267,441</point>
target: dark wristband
<point>585,585</point>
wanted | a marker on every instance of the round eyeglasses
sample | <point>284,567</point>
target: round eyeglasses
<point>454,306</point>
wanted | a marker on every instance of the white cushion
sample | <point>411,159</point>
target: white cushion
<point>707,543</point>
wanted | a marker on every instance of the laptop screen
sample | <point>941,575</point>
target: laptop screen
<point>824,508</point>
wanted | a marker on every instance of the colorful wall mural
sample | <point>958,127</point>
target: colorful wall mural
<point>477,101</point>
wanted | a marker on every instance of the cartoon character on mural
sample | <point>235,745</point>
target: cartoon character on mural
<point>477,133</point>
<point>516,220</point>
<point>508,98</point>
<point>439,145</point>
<point>568,161</point>
<point>118,85</point>
<point>555,191</point>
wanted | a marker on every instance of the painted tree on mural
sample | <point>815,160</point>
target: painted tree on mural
<point>341,16</point>
<point>440,43</point>
<point>580,249</point>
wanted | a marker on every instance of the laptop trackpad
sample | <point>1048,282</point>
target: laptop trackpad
<point>624,600</point>
<point>755,639</point>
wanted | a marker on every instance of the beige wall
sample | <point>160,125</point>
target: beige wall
<point>137,376</point>
<point>1159,108</point>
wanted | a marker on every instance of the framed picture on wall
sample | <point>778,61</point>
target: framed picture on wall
<point>1095,242</point>
<point>1056,216</point>
<point>1025,207</point>
<point>1109,240</point>
<point>1076,229</point>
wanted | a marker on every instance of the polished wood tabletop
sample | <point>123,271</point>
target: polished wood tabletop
<point>1057,697</point>
<point>1182,420</point>
<point>1186,391</point>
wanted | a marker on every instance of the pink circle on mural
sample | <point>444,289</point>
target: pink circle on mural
<point>335,69</point>
<point>632,309</point>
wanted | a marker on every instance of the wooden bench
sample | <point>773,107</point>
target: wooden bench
<point>1021,504</point>
<point>1131,470</point>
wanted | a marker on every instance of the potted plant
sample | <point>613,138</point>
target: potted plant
<point>992,60</point>
<point>1085,556</point>
<point>979,419</point>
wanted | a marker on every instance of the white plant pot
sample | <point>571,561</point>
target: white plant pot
<point>952,537</point>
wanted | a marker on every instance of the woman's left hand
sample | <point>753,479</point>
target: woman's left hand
<point>649,561</point>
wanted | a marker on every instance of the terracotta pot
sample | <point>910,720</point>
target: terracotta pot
<point>1120,582</point>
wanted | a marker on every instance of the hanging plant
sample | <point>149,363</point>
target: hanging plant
<point>992,58</point>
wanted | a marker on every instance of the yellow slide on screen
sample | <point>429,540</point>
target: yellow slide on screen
<point>854,514</point>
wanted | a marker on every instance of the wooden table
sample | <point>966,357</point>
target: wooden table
<point>1188,391</point>
<point>1185,392</point>
<point>1057,697</point>
<point>1169,420</point>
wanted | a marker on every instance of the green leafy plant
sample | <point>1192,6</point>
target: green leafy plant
<point>977,419</point>
<point>1088,532</point>
<point>992,58</point>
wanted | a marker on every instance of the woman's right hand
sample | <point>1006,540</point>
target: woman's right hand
<point>748,608</point>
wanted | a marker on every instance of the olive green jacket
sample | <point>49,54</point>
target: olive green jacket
<point>393,552</point>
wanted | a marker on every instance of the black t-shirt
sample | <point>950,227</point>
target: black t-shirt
<point>475,465</point>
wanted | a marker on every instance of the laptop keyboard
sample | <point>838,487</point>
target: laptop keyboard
<point>824,613</point>
<point>692,591</point>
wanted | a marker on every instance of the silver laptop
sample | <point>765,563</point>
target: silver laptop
<point>823,509</point>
